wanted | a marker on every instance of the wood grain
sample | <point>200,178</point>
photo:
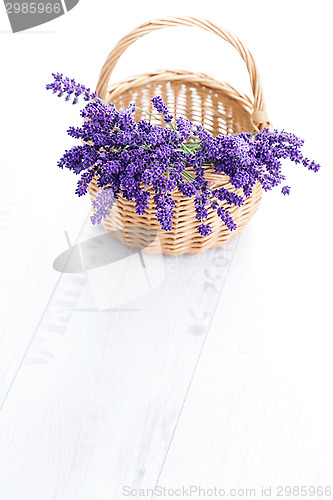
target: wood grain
<point>96,401</point>
<point>260,399</point>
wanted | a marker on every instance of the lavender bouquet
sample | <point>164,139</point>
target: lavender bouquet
<point>127,157</point>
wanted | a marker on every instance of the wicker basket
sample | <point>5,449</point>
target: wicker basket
<point>216,106</point>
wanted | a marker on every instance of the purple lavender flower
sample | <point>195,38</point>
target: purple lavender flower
<point>132,159</point>
<point>184,128</point>
<point>204,229</point>
<point>164,210</point>
<point>311,165</point>
<point>200,208</point>
<point>83,183</point>
<point>231,198</point>
<point>141,201</point>
<point>161,107</point>
<point>63,85</point>
<point>226,218</point>
<point>103,204</point>
<point>187,189</point>
<point>285,190</point>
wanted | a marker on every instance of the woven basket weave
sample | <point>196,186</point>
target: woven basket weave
<point>217,106</point>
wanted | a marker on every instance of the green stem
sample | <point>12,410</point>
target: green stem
<point>185,148</point>
<point>187,176</point>
<point>150,114</point>
<point>190,177</point>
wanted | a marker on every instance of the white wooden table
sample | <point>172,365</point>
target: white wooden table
<point>219,376</point>
<point>217,371</point>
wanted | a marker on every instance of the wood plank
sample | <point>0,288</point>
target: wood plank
<point>258,411</point>
<point>96,401</point>
<point>27,275</point>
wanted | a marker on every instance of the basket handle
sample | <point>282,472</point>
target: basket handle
<point>259,115</point>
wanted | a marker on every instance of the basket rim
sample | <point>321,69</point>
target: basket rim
<point>131,83</point>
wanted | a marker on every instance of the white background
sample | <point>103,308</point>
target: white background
<point>248,403</point>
